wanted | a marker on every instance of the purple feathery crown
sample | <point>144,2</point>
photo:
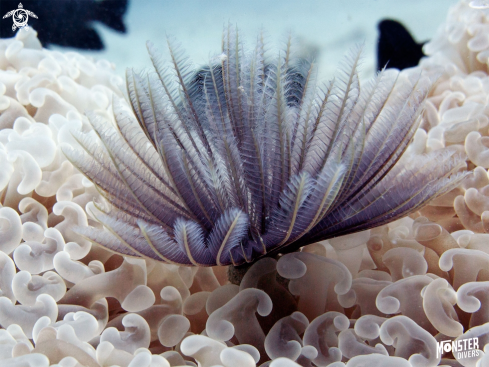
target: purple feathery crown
<point>249,157</point>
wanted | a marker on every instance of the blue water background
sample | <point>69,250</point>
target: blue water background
<point>329,27</point>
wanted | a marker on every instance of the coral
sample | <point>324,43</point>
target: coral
<point>43,95</point>
<point>379,297</point>
<point>456,114</point>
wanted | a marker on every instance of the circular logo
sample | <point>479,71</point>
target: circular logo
<point>20,18</point>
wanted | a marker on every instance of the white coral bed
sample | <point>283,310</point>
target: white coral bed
<point>383,297</point>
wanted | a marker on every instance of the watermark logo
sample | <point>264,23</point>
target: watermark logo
<point>20,17</point>
<point>463,348</point>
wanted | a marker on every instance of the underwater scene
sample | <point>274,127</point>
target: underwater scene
<point>240,184</point>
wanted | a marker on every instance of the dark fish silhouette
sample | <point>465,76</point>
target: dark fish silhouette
<point>396,47</point>
<point>68,22</point>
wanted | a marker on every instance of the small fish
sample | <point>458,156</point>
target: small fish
<point>396,47</point>
<point>69,22</point>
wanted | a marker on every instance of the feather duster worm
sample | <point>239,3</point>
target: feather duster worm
<point>249,157</point>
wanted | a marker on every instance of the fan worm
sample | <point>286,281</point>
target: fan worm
<point>250,156</point>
